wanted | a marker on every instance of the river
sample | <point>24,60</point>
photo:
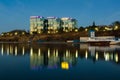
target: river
<point>59,62</point>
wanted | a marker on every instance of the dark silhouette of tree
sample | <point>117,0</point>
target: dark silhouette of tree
<point>93,24</point>
<point>92,27</point>
<point>81,28</point>
<point>116,23</point>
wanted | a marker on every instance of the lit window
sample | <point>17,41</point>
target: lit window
<point>66,30</point>
<point>39,32</point>
<point>48,31</point>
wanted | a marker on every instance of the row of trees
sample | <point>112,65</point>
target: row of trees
<point>112,26</point>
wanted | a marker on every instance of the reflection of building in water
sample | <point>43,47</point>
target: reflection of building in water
<point>105,53</point>
<point>65,65</point>
<point>52,58</point>
<point>37,60</point>
<point>56,56</point>
<point>2,49</point>
<point>92,50</point>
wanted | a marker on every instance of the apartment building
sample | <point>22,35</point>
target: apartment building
<point>39,24</point>
<point>36,24</point>
<point>53,24</point>
<point>68,24</point>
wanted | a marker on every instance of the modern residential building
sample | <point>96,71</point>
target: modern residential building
<point>40,24</point>
<point>68,24</point>
<point>36,24</point>
<point>53,24</point>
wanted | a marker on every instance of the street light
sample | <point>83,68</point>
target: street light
<point>96,29</point>
<point>86,29</point>
<point>76,30</point>
<point>116,27</point>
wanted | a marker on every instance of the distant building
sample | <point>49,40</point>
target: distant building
<point>53,24</point>
<point>68,24</point>
<point>40,24</point>
<point>92,34</point>
<point>36,24</point>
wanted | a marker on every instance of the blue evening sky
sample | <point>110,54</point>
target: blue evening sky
<point>15,14</point>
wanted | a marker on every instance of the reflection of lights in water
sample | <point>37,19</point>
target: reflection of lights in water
<point>65,65</point>
<point>106,55</point>
<point>2,50</point>
<point>7,50</point>
<point>11,49</point>
<point>31,52</point>
<point>23,50</point>
<point>56,52</point>
<point>48,52</point>
<point>39,52</point>
<point>116,57</point>
<point>76,53</point>
<point>111,56</point>
<point>96,56</point>
<point>86,54</point>
<point>67,53</point>
<point>15,50</point>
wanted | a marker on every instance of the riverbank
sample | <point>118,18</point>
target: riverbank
<point>59,37</point>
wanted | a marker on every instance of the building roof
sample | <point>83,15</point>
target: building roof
<point>36,17</point>
<point>52,17</point>
<point>66,18</point>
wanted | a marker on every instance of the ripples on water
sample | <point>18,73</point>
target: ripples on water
<point>59,61</point>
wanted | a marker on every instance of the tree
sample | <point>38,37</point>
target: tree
<point>116,23</point>
<point>81,29</point>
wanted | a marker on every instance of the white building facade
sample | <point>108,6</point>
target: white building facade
<point>68,24</point>
<point>36,24</point>
<point>39,24</point>
<point>53,24</point>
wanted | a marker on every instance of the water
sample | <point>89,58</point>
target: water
<point>59,62</point>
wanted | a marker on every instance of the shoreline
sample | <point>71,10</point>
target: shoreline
<point>49,42</point>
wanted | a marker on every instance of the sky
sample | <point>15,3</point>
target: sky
<point>15,14</point>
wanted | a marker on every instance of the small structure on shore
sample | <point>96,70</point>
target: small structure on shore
<point>101,40</point>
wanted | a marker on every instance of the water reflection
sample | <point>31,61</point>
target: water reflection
<point>110,53</point>
<point>52,57</point>
<point>13,49</point>
<point>62,56</point>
